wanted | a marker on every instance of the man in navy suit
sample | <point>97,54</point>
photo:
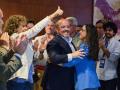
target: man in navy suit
<point>60,50</point>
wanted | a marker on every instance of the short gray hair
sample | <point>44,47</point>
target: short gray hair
<point>73,20</point>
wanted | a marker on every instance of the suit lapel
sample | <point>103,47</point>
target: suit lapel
<point>64,44</point>
<point>74,46</point>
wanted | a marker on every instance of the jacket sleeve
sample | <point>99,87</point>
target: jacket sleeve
<point>55,53</point>
<point>115,51</point>
<point>8,69</point>
<point>37,28</point>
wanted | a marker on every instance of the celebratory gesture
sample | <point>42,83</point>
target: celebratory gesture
<point>58,12</point>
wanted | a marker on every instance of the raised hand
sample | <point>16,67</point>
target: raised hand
<point>4,40</point>
<point>43,46</point>
<point>21,45</point>
<point>101,43</point>
<point>58,12</point>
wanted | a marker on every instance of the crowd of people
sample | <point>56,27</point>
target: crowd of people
<point>75,57</point>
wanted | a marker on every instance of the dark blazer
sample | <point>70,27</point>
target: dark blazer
<point>57,77</point>
<point>118,72</point>
<point>7,67</point>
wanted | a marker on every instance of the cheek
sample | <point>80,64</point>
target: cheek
<point>47,30</point>
<point>20,29</point>
<point>82,35</point>
<point>112,34</point>
<point>109,33</point>
<point>98,31</point>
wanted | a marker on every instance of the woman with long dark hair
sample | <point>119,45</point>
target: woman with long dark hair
<point>85,66</point>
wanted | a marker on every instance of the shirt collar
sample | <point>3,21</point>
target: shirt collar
<point>69,39</point>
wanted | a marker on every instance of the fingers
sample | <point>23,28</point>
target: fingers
<point>58,7</point>
<point>59,11</point>
<point>21,47</point>
<point>77,54</point>
<point>81,50</point>
<point>24,43</point>
<point>82,54</point>
<point>23,37</point>
<point>20,39</point>
<point>5,39</point>
<point>5,36</point>
<point>12,43</point>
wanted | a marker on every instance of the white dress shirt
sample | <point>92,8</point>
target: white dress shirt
<point>110,67</point>
<point>69,41</point>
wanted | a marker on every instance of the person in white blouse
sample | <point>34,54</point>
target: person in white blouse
<point>41,54</point>
<point>22,79</point>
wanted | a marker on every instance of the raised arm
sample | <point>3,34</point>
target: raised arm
<point>41,24</point>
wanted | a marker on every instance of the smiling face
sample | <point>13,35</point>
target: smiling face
<point>21,27</point>
<point>109,33</point>
<point>50,28</point>
<point>64,28</point>
<point>110,29</point>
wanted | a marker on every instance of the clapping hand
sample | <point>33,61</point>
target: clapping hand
<point>4,39</point>
<point>20,44</point>
<point>101,44</point>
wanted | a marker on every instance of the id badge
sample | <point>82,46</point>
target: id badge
<point>102,63</point>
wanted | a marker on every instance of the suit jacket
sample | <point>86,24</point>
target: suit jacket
<point>7,67</point>
<point>118,68</point>
<point>118,73</point>
<point>57,77</point>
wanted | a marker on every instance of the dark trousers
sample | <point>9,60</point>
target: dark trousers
<point>12,85</point>
<point>108,84</point>
<point>118,84</point>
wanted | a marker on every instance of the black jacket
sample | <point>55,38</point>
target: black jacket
<point>57,77</point>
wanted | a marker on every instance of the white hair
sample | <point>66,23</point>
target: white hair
<point>73,20</point>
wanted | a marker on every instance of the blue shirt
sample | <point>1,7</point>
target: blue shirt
<point>85,70</point>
